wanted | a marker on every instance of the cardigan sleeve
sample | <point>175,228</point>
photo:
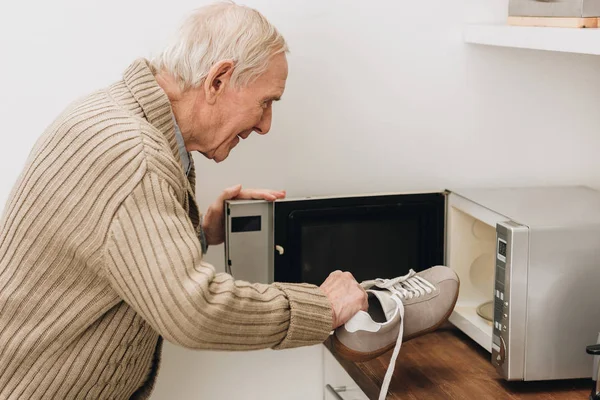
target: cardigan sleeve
<point>153,260</point>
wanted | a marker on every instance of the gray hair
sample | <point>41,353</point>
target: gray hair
<point>217,32</point>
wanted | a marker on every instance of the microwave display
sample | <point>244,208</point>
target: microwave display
<point>246,224</point>
<point>502,248</point>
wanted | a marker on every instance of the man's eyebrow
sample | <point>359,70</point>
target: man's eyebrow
<point>273,98</point>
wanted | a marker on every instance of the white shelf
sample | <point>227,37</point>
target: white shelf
<point>465,318</point>
<point>570,40</point>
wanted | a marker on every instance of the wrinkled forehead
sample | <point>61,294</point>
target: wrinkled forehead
<point>273,80</point>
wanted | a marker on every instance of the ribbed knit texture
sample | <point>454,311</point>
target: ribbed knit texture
<point>100,259</point>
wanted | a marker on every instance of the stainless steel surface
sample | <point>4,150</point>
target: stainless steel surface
<point>550,310</point>
<point>249,255</point>
<point>563,316</point>
<point>512,311</point>
<point>539,207</point>
<point>335,391</point>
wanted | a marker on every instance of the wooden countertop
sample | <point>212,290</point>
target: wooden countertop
<point>449,365</point>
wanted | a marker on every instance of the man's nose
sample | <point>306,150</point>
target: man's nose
<point>264,126</point>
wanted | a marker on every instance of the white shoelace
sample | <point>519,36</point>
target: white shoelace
<point>403,287</point>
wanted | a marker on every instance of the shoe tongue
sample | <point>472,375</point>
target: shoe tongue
<point>388,305</point>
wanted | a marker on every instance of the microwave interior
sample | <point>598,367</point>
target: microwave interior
<point>471,253</point>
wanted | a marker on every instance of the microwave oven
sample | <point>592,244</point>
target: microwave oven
<point>528,260</point>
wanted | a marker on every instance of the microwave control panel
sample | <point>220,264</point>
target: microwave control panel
<point>500,328</point>
<point>510,288</point>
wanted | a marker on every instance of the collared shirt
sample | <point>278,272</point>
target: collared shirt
<point>183,153</point>
<point>186,163</point>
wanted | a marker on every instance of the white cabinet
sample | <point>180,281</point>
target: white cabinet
<point>295,374</point>
<point>338,379</point>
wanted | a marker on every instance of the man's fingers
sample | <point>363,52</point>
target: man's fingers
<point>231,193</point>
<point>260,194</point>
<point>345,295</point>
<point>236,192</point>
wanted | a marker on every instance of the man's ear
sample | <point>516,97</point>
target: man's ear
<point>217,80</point>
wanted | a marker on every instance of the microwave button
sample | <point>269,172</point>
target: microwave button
<point>504,328</point>
<point>500,357</point>
<point>506,304</point>
<point>501,295</point>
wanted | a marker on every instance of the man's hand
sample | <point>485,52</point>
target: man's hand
<point>346,296</point>
<point>213,223</point>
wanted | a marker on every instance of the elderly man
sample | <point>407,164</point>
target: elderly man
<point>102,240</point>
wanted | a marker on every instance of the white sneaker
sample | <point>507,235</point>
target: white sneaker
<point>400,309</point>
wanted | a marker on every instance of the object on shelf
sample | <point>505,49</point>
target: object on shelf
<point>554,14</point>
<point>553,8</point>
<point>554,22</point>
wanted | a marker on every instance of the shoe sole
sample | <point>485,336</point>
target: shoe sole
<point>360,356</point>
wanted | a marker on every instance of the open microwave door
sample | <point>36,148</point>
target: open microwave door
<point>303,240</point>
<point>379,236</point>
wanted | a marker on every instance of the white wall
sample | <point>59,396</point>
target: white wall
<point>382,96</point>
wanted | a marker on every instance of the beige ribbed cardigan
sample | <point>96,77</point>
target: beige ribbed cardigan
<point>100,258</point>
